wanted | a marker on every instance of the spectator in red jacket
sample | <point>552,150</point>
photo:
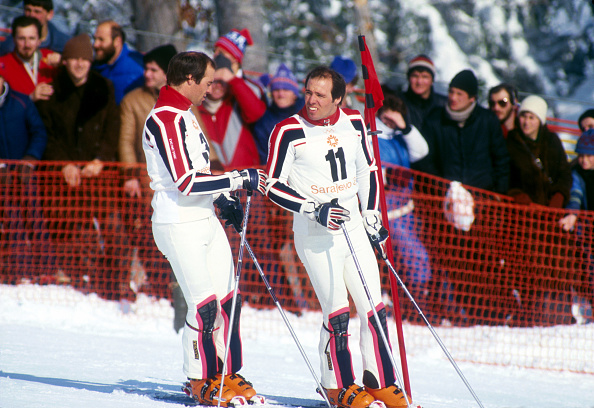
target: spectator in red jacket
<point>29,69</point>
<point>233,105</point>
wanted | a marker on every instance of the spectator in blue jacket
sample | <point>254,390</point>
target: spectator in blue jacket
<point>22,137</point>
<point>115,61</point>
<point>401,143</point>
<point>582,198</point>
<point>286,102</point>
<point>22,132</point>
<point>51,37</point>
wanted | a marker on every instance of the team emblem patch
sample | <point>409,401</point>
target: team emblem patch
<point>332,140</point>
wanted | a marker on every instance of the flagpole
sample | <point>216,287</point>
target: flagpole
<point>373,88</point>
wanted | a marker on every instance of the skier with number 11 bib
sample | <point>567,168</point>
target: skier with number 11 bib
<point>321,167</point>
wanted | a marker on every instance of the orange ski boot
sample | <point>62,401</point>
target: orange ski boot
<point>392,396</point>
<point>207,391</point>
<point>243,387</point>
<point>352,396</point>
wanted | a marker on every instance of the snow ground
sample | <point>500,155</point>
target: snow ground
<point>73,350</point>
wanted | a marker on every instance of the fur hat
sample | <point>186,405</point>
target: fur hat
<point>235,42</point>
<point>160,55</point>
<point>466,81</point>
<point>284,79</point>
<point>78,47</point>
<point>585,144</point>
<point>345,67</point>
<point>421,63</point>
<point>536,105</point>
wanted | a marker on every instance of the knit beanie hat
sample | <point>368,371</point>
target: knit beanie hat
<point>161,56</point>
<point>345,67</point>
<point>421,63</point>
<point>235,42</point>
<point>78,47</point>
<point>466,81</point>
<point>585,144</point>
<point>536,105</point>
<point>284,79</point>
<point>587,114</point>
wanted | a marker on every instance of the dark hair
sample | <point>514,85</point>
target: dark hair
<point>509,88</point>
<point>188,64</point>
<point>587,114</point>
<point>48,5</point>
<point>338,83</point>
<point>25,21</point>
<point>393,103</point>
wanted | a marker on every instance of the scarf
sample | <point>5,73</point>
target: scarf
<point>460,116</point>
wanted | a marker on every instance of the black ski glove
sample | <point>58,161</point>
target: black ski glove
<point>230,210</point>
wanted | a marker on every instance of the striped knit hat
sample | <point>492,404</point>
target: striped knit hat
<point>421,63</point>
<point>284,79</point>
<point>585,144</point>
<point>235,42</point>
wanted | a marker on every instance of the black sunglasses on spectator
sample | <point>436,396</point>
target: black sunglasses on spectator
<point>502,103</point>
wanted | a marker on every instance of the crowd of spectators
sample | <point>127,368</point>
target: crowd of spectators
<point>85,99</point>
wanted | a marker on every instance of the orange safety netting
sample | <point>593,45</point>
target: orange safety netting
<point>467,262</point>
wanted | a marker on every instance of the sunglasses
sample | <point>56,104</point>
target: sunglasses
<point>502,103</point>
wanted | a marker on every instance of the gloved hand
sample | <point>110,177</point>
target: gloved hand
<point>331,215</point>
<point>230,210</point>
<point>378,235</point>
<point>248,179</point>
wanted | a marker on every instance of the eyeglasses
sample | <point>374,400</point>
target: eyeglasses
<point>502,103</point>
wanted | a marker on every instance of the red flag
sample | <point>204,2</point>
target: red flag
<point>374,96</point>
<point>374,99</point>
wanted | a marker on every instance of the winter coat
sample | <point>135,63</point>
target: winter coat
<point>419,108</point>
<point>229,129</point>
<point>14,71</point>
<point>126,73</point>
<point>266,124</point>
<point>22,132</point>
<point>526,175</point>
<point>474,154</point>
<point>83,123</point>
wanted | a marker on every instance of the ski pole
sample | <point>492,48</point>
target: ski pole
<point>432,330</point>
<point>235,290</point>
<point>287,323</point>
<point>375,315</point>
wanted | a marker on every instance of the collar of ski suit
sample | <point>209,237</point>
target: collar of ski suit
<point>330,120</point>
<point>170,97</point>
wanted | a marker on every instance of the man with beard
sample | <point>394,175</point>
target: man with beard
<point>29,69</point>
<point>502,101</point>
<point>115,60</point>
<point>51,37</point>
